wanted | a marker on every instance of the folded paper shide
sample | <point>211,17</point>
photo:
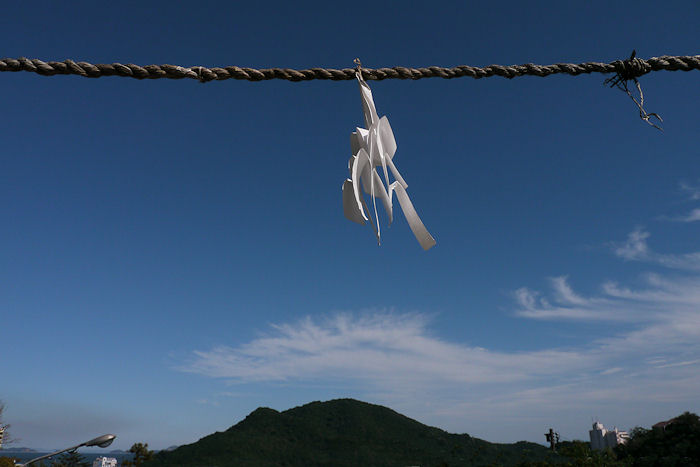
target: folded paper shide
<point>372,147</point>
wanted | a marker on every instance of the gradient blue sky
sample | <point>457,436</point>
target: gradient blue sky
<point>174,254</point>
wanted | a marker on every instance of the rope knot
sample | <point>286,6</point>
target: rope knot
<point>358,68</point>
<point>631,68</point>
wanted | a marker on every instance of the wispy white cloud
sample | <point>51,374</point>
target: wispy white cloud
<point>660,322</point>
<point>384,349</point>
<point>204,401</point>
<point>565,293</point>
<point>635,248</point>
<point>565,304</point>
<point>610,371</point>
<point>387,348</point>
<point>692,216</point>
<point>662,313</point>
<point>677,292</point>
<point>685,363</point>
<point>397,359</point>
<point>691,190</point>
<point>691,193</point>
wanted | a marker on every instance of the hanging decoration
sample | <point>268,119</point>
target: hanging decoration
<point>372,147</point>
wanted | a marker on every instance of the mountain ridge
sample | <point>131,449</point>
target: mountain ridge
<point>341,432</point>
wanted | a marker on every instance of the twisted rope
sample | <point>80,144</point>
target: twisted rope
<point>627,69</point>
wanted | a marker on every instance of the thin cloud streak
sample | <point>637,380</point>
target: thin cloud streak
<point>689,362</point>
<point>693,191</point>
<point>567,305</point>
<point>692,216</point>
<point>390,350</point>
<point>383,349</point>
<point>663,314</point>
<point>637,249</point>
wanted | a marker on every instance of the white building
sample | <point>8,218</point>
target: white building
<point>105,462</point>
<point>602,438</point>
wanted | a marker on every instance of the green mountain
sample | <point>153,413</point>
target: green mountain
<point>342,432</point>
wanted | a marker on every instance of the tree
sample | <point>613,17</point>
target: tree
<point>677,444</point>
<point>4,428</point>
<point>141,454</point>
<point>7,462</point>
<point>579,454</point>
<point>70,459</point>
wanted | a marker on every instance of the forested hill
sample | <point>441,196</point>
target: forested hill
<point>342,432</point>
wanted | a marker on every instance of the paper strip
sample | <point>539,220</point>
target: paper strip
<point>374,147</point>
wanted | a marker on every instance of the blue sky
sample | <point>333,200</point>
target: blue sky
<point>174,254</point>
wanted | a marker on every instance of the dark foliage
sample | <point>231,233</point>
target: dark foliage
<point>677,444</point>
<point>5,438</point>
<point>7,461</point>
<point>342,432</point>
<point>70,459</point>
<point>579,454</point>
<point>141,455</point>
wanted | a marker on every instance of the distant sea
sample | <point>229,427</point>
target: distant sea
<point>89,456</point>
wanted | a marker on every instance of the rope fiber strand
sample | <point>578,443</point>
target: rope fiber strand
<point>627,69</point>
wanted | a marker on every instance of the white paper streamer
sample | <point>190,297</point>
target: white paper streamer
<point>372,147</point>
